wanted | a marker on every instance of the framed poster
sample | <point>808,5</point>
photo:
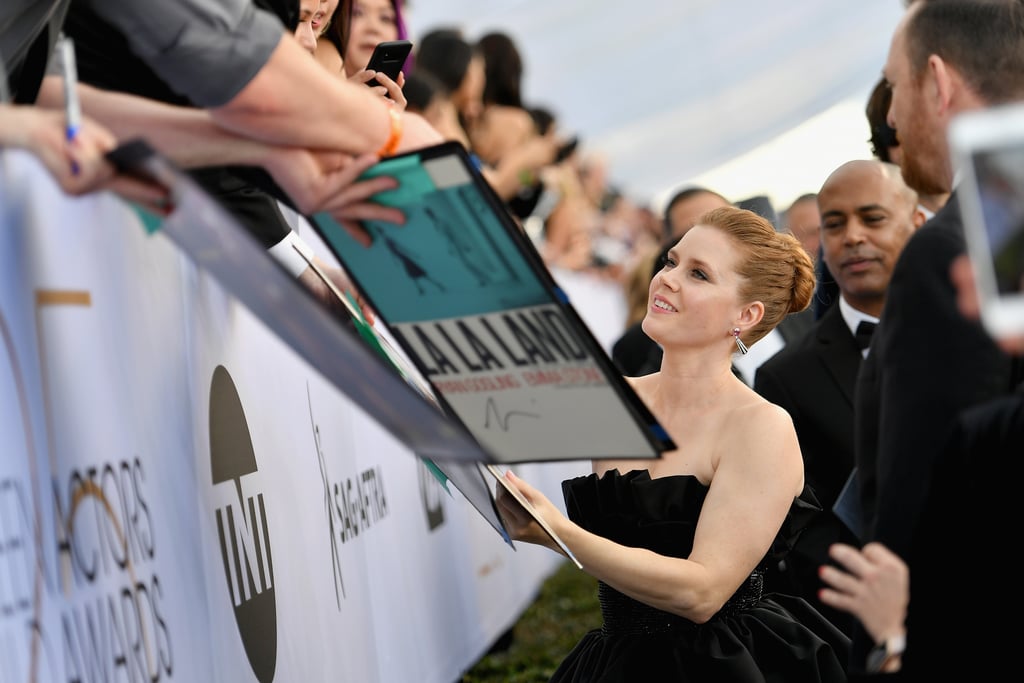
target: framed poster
<point>465,294</point>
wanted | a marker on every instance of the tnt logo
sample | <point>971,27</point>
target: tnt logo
<point>242,529</point>
<point>245,547</point>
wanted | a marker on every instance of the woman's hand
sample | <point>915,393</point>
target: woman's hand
<point>80,165</point>
<point>329,183</point>
<point>339,284</point>
<point>388,88</point>
<point>519,523</point>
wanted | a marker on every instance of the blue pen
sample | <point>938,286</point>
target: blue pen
<point>72,107</point>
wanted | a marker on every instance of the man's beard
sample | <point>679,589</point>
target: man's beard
<point>921,163</point>
<point>922,175</point>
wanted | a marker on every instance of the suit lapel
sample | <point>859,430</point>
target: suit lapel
<point>839,352</point>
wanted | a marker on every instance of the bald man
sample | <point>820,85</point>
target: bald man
<point>802,220</point>
<point>867,215</point>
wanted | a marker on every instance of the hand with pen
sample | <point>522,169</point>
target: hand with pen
<point>78,165</point>
<point>70,146</point>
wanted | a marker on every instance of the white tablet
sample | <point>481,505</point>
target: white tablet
<point>988,152</point>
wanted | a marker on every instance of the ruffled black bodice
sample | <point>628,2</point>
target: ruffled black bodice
<point>755,637</point>
<point>661,514</point>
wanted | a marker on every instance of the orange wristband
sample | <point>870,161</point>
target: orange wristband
<point>396,133</point>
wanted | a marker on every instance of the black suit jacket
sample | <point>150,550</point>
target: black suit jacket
<point>974,498</point>
<point>814,378</point>
<point>927,364</point>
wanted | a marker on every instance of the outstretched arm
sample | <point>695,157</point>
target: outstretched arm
<point>334,114</point>
<point>743,511</point>
<point>239,62</point>
<point>316,180</point>
<point>78,166</point>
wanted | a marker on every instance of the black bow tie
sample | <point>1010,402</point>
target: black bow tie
<point>863,335</point>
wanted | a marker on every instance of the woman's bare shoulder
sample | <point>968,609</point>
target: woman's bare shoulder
<point>761,434</point>
<point>327,55</point>
<point>761,419</point>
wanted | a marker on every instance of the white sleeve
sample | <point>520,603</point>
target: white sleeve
<point>292,253</point>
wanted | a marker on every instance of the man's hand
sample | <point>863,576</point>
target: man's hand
<point>322,182</point>
<point>962,274</point>
<point>873,585</point>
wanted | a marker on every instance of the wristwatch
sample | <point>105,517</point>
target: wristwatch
<point>882,654</point>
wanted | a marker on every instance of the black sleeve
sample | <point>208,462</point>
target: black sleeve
<point>255,208</point>
<point>106,61</point>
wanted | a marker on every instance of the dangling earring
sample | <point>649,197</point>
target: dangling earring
<point>739,342</point>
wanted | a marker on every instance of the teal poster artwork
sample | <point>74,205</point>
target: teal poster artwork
<point>452,258</point>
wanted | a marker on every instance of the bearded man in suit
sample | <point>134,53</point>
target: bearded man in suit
<point>923,347</point>
<point>927,363</point>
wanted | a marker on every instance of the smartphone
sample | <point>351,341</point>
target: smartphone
<point>388,58</point>
<point>987,147</point>
<point>566,150</point>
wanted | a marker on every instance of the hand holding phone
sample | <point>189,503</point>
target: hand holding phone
<point>565,151</point>
<point>388,58</point>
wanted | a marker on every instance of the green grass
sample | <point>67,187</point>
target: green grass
<point>566,608</point>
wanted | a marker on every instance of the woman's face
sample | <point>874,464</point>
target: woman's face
<point>469,98</point>
<point>694,297</point>
<point>323,16</point>
<point>373,21</point>
<point>304,32</point>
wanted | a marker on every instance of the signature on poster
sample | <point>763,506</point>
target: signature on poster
<point>502,421</point>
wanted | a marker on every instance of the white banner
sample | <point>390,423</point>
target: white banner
<point>99,430</point>
<point>183,498</point>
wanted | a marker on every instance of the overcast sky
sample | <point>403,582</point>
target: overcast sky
<point>750,96</point>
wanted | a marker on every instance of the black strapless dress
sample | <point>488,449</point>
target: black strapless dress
<point>755,637</point>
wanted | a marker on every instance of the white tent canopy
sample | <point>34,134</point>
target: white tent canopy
<point>669,90</point>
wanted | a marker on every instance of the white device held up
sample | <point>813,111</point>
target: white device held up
<point>988,150</point>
